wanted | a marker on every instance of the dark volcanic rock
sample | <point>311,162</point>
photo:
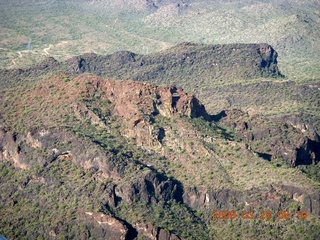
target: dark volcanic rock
<point>304,122</point>
<point>268,58</point>
<point>94,63</point>
<point>307,153</point>
<point>19,148</point>
<point>275,197</point>
<point>109,197</point>
<point>103,226</point>
<point>151,232</point>
<point>242,60</point>
<point>150,189</point>
<point>183,62</point>
<point>275,138</point>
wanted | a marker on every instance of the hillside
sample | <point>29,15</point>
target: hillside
<point>30,32</point>
<point>184,62</point>
<point>86,156</point>
<point>223,77</point>
<point>192,66</point>
<point>244,76</point>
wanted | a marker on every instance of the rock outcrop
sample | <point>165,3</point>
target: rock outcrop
<point>268,59</point>
<point>150,188</point>
<point>137,103</point>
<point>103,226</point>
<point>280,139</point>
<point>151,232</point>
<point>274,197</point>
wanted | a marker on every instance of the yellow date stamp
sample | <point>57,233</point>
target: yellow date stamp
<point>261,214</point>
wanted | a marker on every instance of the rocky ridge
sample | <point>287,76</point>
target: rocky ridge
<point>162,121</point>
<point>208,61</point>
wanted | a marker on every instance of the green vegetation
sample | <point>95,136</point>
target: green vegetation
<point>71,144</point>
<point>43,198</point>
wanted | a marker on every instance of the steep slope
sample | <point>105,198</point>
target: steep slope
<point>86,156</point>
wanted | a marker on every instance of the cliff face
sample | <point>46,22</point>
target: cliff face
<point>268,58</point>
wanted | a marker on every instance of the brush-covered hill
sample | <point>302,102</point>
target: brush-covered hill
<point>83,156</point>
<point>244,76</point>
<point>180,64</point>
<point>195,67</point>
<point>62,29</point>
<point>184,62</point>
<point>224,77</point>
